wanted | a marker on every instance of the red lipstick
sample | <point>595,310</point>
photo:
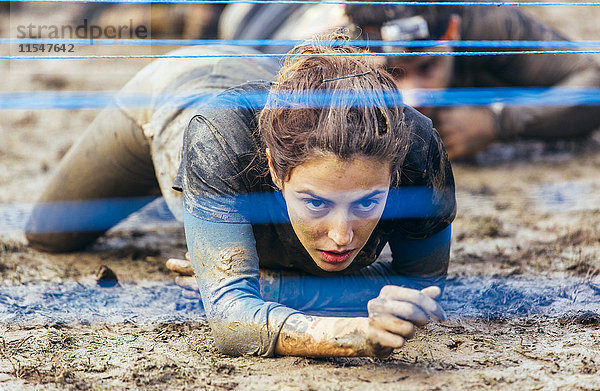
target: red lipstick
<point>335,257</point>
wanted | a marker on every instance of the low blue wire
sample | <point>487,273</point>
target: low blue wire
<point>413,3</point>
<point>280,42</point>
<point>508,96</point>
<point>256,55</point>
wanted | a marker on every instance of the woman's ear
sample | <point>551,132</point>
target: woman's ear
<point>453,31</point>
<point>274,176</point>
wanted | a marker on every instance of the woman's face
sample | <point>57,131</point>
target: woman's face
<point>334,206</point>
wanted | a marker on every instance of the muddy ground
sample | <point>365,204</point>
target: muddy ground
<point>523,299</point>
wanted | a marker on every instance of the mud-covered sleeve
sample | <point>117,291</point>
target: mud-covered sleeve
<point>226,267</point>
<point>213,165</point>
<point>220,162</point>
<point>215,175</point>
<point>553,122</point>
<point>564,71</point>
<point>424,261</point>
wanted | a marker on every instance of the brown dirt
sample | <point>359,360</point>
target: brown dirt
<point>510,224</point>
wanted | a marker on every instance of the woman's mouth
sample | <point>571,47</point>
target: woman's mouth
<point>335,256</point>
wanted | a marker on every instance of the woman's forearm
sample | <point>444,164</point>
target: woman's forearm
<point>393,316</point>
<point>226,268</point>
<point>304,335</point>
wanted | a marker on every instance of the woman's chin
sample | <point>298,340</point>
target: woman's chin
<point>333,266</point>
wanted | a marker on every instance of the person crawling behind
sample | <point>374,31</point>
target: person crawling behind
<point>302,192</point>
<point>465,129</point>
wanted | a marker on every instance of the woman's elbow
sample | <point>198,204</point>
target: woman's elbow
<point>235,338</point>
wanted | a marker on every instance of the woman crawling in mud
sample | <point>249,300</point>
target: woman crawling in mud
<point>288,199</point>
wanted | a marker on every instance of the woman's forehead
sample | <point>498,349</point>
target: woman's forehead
<point>329,174</point>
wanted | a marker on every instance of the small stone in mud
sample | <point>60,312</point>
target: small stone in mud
<point>106,278</point>
<point>225,369</point>
<point>584,318</point>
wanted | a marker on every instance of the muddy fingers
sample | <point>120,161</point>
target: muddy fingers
<point>191,294</point>
<point>181,266</point>
<point>188,283</point>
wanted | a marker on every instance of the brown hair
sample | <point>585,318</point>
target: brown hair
<point>343,105</point>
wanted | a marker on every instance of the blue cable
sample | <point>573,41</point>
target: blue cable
<point>248,55</point>
<point>280,42</point>
<point>508,96</point>
<point>414,3</point>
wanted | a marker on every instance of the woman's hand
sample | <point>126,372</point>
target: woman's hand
<point>186,279</point>
<point>394,314</point>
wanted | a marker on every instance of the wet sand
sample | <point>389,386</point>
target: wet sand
<point>523,295</point>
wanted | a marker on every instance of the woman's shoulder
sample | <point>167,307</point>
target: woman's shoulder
<point>249,97</point>
<point>413,117</point>
<point>231,115</point>
<point>422,201</point>
<point>221,141</point>
<point>423,140</point>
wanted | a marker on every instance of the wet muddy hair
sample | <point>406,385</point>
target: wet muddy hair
<point>332,104</point>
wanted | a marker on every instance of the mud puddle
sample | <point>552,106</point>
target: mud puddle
<point>75,302</point>
<point>156,301</point>
<point>567,196</point>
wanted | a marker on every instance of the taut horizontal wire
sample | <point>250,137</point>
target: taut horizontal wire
<point>409,3</point>
<point>283,42</point>
<point>257,55</point>
<point>522,96</point>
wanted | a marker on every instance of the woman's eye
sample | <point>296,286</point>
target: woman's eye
<point>315,205</point>
<point>366,205</point>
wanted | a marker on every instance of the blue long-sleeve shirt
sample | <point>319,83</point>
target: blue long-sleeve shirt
<point>236,223</point>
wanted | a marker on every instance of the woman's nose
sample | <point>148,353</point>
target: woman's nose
<point>341,232</point>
